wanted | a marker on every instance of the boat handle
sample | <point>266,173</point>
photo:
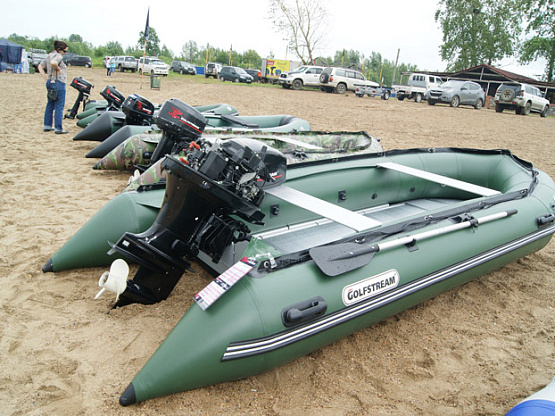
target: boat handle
<point>303,311</point>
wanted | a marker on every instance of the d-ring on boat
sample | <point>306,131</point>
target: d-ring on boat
<point>333,248</point>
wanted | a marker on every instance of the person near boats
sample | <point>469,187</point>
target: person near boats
<point>54,71</point>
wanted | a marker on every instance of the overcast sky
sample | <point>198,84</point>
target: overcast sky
<point>366,26</point>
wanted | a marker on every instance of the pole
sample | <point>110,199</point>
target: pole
<point>395,69</point>
<point>143,67</point>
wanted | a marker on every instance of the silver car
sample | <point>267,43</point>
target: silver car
<point>457,92</point>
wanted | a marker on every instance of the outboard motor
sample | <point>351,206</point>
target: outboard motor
<point>180,123</point>
<point>113,96</point>
<point>138,110</point>
<point>84,87</point>
<point>203,191</point>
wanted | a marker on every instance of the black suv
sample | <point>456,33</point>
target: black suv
<point>235,74</point>
<point>183,67</point>
<point>77,60</point>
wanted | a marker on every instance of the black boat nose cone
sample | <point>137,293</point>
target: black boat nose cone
<point>48,267</point>
<point>128,396</point>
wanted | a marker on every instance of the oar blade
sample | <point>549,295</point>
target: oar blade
<point>339,259</point>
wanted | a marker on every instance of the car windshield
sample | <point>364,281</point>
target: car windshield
<point>240,71</point>
<point>156,61</point>
<point>452,84</point>
<point>299,69</point>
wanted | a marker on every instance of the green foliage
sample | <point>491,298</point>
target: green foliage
<point>152,44</point>
<point>478,31</point>
<point>541,23</point>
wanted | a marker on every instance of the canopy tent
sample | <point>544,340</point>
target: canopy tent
<point>11,52</point>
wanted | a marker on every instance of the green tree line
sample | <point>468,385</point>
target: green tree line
<point>374,66</point>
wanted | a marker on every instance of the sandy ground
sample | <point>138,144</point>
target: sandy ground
<point>476,350</point>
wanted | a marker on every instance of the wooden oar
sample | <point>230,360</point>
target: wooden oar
<point>337,259</point>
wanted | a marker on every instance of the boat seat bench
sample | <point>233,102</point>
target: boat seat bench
<point>298,237</point>
<point>443,180</point>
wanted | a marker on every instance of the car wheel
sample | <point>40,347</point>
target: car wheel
<point>297,84</point>
<point>479,104</point>
<point>286,86</point>
<point>222,79</point>
<point>518,110</point>
<point>341,88</point>
<point>455,101</point>
<point>87,66</point>
<point>544,111</point>
<point>526,109</point>
<point>400,97</point>
<point>431,102</point>
<point>69,64</point>
<point>386,95</point>
<point>181,71</point>
<point>498,108</point>
<point>236,80</point>
<point>507,95</point>
<point>324,77</point>
<point>418,97</point>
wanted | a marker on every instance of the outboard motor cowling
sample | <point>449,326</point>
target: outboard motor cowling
<point>84,87</point>
<point>180,123</point>
<point>113,96</point>
<point>138,110</point>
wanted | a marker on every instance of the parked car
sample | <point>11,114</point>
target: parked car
<point>152,65</point>
<point>72,59</point>
<point>341,80</point>
<point>235,74</point>
<point>126,63</point>
<point>456,92</point>
<point>35,57</point>
<point>183,67</point>
<point>212,69</point>
<point>303,76</point>
<point>522,98</point>
<point>254,73</point>
<point>417,87</point>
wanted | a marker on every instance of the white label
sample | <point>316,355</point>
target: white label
<point>370,287</point>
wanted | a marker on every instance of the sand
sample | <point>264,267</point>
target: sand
<point>476,350</point>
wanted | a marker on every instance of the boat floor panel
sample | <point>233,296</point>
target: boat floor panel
<point>315,233</point>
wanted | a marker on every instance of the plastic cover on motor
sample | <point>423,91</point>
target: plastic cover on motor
<point>82,85</point>
<point>180,119</point>
<point>138,109</point>
<point>113,96</point>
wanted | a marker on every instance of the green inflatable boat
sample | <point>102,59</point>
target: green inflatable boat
<point>307,254</point>
<point>135,211</point>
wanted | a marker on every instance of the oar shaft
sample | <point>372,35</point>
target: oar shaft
<point>444,230</point>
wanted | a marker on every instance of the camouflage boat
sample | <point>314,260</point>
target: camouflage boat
<point>216,123</point>
<point>309,253</point>
<point>297,146</point>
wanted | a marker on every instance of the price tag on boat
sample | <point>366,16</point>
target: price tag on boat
<point>221,284</point>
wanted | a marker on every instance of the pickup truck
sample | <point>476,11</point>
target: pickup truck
<point>417,87</point>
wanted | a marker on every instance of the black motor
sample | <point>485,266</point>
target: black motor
<point>138,110</point>
<point>205,193</point>
<point>113,96</point>
<point>84,87</point>
<point>180,123</point>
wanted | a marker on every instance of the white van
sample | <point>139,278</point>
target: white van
<point>153,65</point>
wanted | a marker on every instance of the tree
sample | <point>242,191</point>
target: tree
<point>152,44</point>
<point>303,22</point>
<point>478,31</point>
<point>190,51</point>
<point>541,22</point>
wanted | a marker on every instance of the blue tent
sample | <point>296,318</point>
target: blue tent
<point>11,52</point>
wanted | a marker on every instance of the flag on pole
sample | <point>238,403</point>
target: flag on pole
<point>147,27</point>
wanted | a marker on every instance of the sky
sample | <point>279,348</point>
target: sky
<point>384,27</point>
